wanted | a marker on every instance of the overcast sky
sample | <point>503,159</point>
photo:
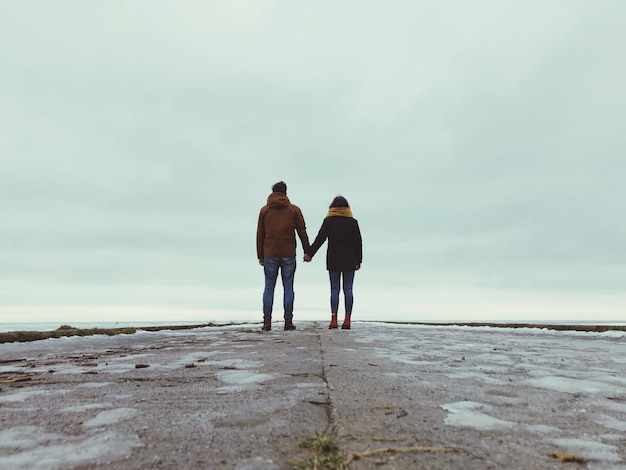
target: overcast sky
<point>481,145</point>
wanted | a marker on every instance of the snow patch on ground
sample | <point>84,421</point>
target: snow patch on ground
<point>240,379</point>
<point>589,449</point>
<point>111,416</point>
<point>569,385</point>
<point>611,422</point>
<point>470,414</point>
<point>64,451</point>
<point>27,395</point>
<point>25,437</point>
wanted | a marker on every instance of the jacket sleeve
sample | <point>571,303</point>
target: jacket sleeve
<point>260,236</point>
<point>322,235</point>
<point>301,229</point>
<point>357,243</point>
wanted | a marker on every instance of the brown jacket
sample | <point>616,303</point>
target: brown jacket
<point>278,220</point>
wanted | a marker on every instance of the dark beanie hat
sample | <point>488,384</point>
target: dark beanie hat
<point>339,201</point>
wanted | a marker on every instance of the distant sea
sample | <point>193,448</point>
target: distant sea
<point>51,326</point>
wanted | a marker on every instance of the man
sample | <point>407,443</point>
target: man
<point>276,250</point>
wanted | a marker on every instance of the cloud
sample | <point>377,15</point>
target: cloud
<point>479,144</point>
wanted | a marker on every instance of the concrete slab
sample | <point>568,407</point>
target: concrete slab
<point>393,396</point>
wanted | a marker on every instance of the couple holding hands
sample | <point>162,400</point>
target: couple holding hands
<point>279,221</point>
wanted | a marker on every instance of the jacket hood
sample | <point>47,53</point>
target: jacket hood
<point>278,200</point>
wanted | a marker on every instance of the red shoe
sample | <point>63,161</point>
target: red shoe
<point>346,323</point>
<point>333,322</point>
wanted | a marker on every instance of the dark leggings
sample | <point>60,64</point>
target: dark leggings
<point>335,287</point>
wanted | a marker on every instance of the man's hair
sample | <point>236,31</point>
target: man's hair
<point>339,201</point>
<point>280,187</point>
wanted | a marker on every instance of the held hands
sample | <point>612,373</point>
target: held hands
<point>308,259</point>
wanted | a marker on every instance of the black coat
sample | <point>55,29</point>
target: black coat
<point>345,247</point>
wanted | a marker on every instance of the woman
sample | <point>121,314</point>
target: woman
<point>344,255</point>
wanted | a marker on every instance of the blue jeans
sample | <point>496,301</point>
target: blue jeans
<point>287,268</point>
<point>335,287</point>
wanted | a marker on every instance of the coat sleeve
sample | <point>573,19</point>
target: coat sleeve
<point>357,243</point>
<point>301,230</point>
<point>322,235</point>
<point>260,236</point>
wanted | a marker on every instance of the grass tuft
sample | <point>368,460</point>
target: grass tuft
<point>326,454</point>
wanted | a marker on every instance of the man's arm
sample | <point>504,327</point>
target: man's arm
<point>260,237</point>
<point>301,230</point>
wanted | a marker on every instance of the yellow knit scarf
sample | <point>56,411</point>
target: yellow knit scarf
<point>339,212</point>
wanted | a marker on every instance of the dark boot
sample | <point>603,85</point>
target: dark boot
<point>267,324</point>
<point>289,324</point>
<point>346,323</point>
<point>333,322</point>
